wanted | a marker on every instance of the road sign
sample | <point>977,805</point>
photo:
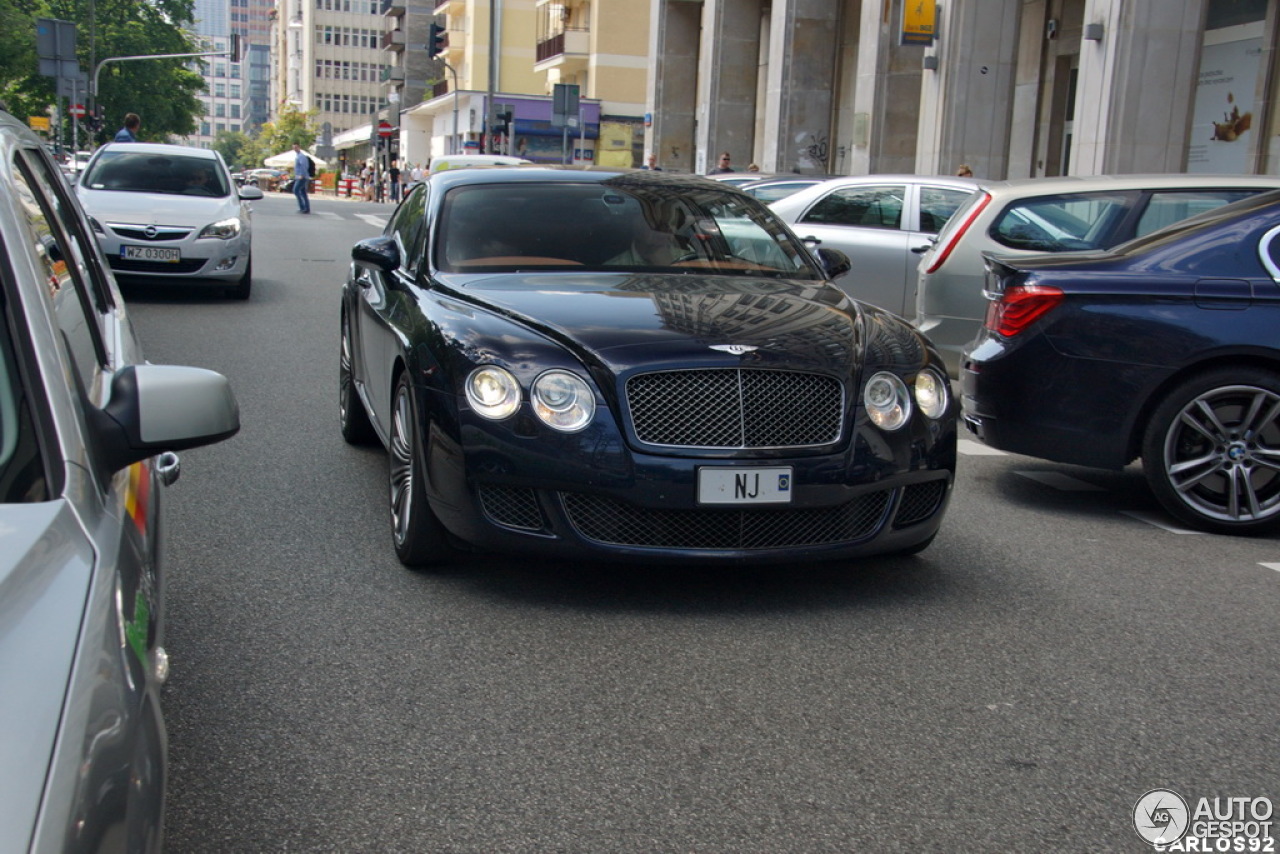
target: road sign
<point>77,110</point>
<point>385,129</point>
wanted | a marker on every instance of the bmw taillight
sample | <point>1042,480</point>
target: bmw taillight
<point>1020,306</point>
<point>940,257</point>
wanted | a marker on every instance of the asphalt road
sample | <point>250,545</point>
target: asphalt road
<point>1058,652</point>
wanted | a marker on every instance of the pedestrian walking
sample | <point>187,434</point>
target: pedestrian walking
<point>394,173</point>
<point>129,133</point>
<point>651,163</point>
<point>302,174</point>
<point>964,171</point>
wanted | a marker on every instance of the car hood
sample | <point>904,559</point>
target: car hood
<point>625,319</point>
<point>157,208</point>
<point>45,572</point>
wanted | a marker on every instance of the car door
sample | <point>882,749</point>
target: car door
<point>72,342</point>
<point>865,221</point>
<point>931,207</point>
<point>381,296</point>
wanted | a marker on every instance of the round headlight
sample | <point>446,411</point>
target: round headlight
<point>932,394</point>
<point>563,401</point>
<point>888,404</point>
<point>493,392</point>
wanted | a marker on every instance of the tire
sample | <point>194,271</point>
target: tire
<point>1211,451</point>
<point>240,290</point>
<point>352,416</point>
<point>419,537</point>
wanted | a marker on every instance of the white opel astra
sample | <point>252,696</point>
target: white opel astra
<point>170,212</point>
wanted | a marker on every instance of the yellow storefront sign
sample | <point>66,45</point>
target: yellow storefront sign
<point>38,123</point>
<point>919,18</point>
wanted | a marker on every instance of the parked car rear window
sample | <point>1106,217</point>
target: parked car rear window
<point>1061,223</point>
<point>1166,208</point>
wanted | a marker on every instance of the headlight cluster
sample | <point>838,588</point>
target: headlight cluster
<point>561,400</point>
<point>889,403</point>
<point>223,230</point>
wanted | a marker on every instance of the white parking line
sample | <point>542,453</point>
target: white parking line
<point>1275,566</point>
<point>971,448</point>
<point>1061,481</point>
<point>1158,522</point>
<point>378,221</point>
<point>328,214</point>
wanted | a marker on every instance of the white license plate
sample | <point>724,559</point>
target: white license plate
<point>150,253</point>
<point>733,485</point>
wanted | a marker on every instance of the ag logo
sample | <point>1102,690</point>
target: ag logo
<point>1160,816</point>
<point>735,349</point>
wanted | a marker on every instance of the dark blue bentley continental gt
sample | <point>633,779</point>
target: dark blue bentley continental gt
<point>634,365</point>
<point>1165,348</point>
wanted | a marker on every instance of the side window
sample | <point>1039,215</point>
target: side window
<point>22,472</point>
<point>1061,223</point>
<point>82,242</point>
<point>59,260</point>
<point>407,226</point>
<point>1168,207</point>
<point>869,207</point>
<point>937,204</point>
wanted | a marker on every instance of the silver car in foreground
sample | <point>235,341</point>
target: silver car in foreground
<point>1038,215</point>
<point>88,431</point>
<point>170,212</point>
<point>881,222</point>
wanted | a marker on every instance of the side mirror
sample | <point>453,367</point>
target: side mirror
<point>249,193</point>
<point>158,408</point>
<point>380,252</point>
<point>833,261</point>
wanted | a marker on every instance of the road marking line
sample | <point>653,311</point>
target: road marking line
<point>1058,480</point>
<point>977,449</point>
<point>1158,522</point>
<point>1275,566</point>
<point>379,221</point>
<point>328,214</point>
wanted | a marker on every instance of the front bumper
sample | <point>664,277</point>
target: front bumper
<point>200,259</point>
<point>883,493</point>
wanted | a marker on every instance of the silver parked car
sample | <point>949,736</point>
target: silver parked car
<point>1038,215</point>
<point>881,222</point>
<point>87,434</point>
<point>169,212</point>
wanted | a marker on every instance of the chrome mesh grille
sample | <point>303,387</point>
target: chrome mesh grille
<point>735,408</point>
<point>512,506</point>
<point>605,520</point>
<point>919,502</point>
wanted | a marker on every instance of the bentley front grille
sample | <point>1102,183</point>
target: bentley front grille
<point>736,408</point>
<point>605,520</point>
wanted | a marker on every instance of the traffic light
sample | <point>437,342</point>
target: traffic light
<point>437,41</point>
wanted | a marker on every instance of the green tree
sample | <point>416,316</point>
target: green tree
<point>239,150</point>
<point>162,91</point>
<point>292,126</point>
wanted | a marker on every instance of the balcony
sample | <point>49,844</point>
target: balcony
<point>392,74</point>
<point>393,40</point>
<point>568,50</point>
<point>450,7</point>
<point>393,8</point>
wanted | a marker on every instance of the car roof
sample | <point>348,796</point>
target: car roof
<point>534,174</point>
<point>1138,181</point>
<point>162,148</point>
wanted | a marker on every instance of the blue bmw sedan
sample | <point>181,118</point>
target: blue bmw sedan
<point>1164,348</point>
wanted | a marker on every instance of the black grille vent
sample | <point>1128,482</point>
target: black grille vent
<point>735,408</point>
<point>605,520</point>
<point>512,506</point>
<point>919,502</point>
<point>131,266</point>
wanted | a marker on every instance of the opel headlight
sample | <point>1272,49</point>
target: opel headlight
<point>493,392</point>
<point>932,394</point>
<point>563,401</point>
<point>888,404</point>
<point>223,230</point>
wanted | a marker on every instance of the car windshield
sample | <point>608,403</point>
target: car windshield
<point>150,172</point>
<point>620,224</point>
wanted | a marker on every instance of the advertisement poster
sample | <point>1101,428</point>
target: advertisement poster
<point>1222,128</point>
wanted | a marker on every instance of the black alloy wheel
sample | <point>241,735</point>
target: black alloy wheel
<point>354,420</point>
<point>1211,451</point>
<point>419,537</point>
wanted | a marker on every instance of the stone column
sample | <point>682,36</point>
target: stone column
<point>727,81</point>
<point>803,40</point>
<point>672,85</point>
<point>967,102</point>
<point>1138,70</point>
